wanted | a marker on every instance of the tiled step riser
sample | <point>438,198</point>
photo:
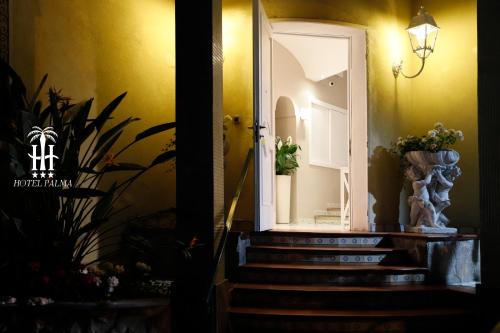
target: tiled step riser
<point>345,300</point>
<point>326,258</point>
<point>291,240</point>
<point>298,325</point>
<point>331,278</point>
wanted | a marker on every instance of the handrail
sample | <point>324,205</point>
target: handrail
<point>228,224</point>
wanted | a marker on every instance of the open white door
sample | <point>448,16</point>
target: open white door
<point>265,205</point>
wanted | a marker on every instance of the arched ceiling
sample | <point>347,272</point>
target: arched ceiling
<point>320,57</point>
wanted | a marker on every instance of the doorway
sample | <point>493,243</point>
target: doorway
<point>310,85</point>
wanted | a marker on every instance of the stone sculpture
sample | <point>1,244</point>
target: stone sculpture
<point>432,176</point>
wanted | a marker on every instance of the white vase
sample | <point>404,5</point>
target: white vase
<point>432,176</point>
<point>283,190</point>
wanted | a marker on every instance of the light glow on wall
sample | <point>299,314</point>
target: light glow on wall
<point>305,114</point>
<point>231,28</point>
<point>394,39</point>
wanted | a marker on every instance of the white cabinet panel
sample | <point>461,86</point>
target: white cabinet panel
<point>329,136</point>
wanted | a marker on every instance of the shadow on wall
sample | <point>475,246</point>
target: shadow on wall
<point>385,181</point>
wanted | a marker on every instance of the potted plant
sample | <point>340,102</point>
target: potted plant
<point>286,165</point>
<point>431,167</point>
<point>48,233</point>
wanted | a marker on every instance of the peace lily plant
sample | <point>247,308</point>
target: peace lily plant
<point>286,156</point>
<point>286,165</point>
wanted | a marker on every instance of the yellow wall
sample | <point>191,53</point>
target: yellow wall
<point>447,92</point>
<point>95,48</point>
<point>101,48</point>
<point>238,98</point>
<point>394,107</point>
<point>382,19</point>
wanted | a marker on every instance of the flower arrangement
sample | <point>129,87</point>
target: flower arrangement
<point>286,156</point>
<point>93,283</point>
<point>438,138</point>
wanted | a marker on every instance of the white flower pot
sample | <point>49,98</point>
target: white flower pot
<point>283,190</point>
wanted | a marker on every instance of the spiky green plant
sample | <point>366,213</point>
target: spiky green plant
<point>61,226</point>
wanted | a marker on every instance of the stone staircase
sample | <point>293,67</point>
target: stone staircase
<point>332,215</point>
<point>340,282</point>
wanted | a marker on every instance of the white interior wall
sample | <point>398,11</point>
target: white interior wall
<point>312,186</point>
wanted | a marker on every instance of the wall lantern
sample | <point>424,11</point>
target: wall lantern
<point>423,32</point>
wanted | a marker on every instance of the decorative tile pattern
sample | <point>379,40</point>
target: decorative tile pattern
<point>253,256</point>
<point>317,241</point>
<point>286,277</point>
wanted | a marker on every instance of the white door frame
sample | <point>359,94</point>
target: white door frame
<point>357,106</point>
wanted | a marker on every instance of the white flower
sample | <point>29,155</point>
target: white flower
<point>97,281</point>
<point>45,301</point>
<point>460,135</point>
<point>289,140</point>
<point>446,132</point>
<point>424,140</point>
<point>438,125</point>
<point>280,144</point>
<point>113,281</point>
<point>432,133</point>
<point>39,301</point>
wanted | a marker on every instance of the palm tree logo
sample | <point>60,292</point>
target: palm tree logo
<point>43,135</point>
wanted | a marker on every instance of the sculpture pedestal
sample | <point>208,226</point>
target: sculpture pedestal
<point>430,230</point>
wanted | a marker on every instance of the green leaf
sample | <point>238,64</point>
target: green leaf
<point>101,119</point>
<point>44,115</point>
<point>104,150</point>
<point>80,193</point>
<point>104,204</point>
<point>54,112</point>
<point>163,157</point>
<point>34,99</point>
<point>37,108</point>
<point>124,167</point>
<point>155,130</point>
<point>281,160</point>
<point>107,111</point>
<point>112,131</point>
<point>77,115</point>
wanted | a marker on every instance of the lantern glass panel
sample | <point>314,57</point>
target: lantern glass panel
<point>423,38</point>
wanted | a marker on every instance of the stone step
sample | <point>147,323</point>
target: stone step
<point>327,219</point>
<point>291,273</point>
<point>339,239</point>
<point>348,297</point>
<point>325,254</point>
<point>276,320</point>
